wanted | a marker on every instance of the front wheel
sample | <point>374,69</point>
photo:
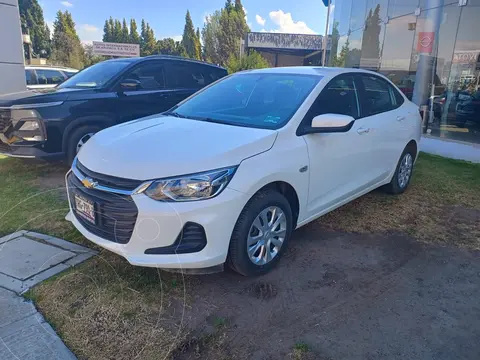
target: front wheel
<point>261,234</point>
<point>403,173</point>
<point>78,138</point>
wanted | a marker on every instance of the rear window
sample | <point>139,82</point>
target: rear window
<point>49,77</point>
<point>185,75</point>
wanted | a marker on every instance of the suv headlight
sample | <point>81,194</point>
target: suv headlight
<point>194,187</point>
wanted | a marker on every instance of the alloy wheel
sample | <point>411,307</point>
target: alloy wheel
<point>266,236</point>
<point>405,170</point>
<point>83,140</point>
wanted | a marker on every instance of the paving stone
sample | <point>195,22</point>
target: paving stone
<point>44,275</point>
<point>79,259</point>
<point>11,283</point>
<point>12,236</point>
<point>23,257</point>
<point>59,242</point>
<point>12,309</point>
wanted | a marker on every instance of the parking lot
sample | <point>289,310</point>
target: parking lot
<point>382,277</point>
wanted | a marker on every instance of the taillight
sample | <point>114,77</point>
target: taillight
<point>442,101</point>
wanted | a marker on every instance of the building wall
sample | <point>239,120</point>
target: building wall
<point>429,48</point>
<point>12,70</point>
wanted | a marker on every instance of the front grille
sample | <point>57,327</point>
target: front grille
<point>5,148</point>
<point>5,119</point>
<point>115,214</point>
<point>109,181</point>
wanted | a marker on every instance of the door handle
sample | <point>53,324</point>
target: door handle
<point>400,118</point>
<point>363,131</point>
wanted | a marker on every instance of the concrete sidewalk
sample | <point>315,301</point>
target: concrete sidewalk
<point>24,333</point>
<point>26,259</point>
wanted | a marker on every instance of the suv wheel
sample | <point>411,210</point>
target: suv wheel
<point>78,138</point>
<point>261,234</point>
<point>403,173</point>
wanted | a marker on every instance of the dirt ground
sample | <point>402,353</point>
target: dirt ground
<point>346,297</point>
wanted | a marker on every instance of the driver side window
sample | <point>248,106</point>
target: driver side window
<point>339,96</point>
<point>150,75</point>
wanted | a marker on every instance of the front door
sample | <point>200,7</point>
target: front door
<point>339,162</point>
<point>151,97</point>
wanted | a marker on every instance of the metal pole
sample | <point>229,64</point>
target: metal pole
<point>324,50</point>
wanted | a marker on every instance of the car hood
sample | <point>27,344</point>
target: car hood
<point>43,96</point>
<point>164,146</point>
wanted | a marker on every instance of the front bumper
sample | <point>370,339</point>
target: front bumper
<point>158,225</point>
<point>28,152</point>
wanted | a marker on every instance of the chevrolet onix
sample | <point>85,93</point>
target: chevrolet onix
<point>227,175</point>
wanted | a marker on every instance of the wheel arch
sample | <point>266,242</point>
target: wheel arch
<point>290,194</point>
<point>96,120</point>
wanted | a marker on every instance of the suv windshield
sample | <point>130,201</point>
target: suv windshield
<point>260,100</point>
<point>95,76</point>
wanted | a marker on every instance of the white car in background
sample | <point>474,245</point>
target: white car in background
<point>227,175</point>
<point>46,77</point>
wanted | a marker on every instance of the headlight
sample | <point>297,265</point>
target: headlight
<point>191,187</point>
<point>30,125</point>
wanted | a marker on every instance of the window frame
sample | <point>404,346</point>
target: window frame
<point>130,69</point>
<point>362,96</point>
<point>305,123</point>
<point>60,73</point>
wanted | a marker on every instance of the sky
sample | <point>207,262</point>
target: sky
<point>167,17</point>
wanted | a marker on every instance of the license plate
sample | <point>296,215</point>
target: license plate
<point>85,208</point>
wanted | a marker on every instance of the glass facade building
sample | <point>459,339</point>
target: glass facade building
<point>429,48</point>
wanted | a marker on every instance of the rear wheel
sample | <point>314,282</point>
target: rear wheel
<point>403,173</point>
<point>78,138</point>
<point>261,234</point>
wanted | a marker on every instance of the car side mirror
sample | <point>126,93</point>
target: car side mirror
<point>130,84</point>
<point>329,123</point>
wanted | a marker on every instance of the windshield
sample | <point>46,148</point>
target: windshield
<point>254,100</point>
<point>95,76</point>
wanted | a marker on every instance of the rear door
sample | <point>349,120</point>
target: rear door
<point>184,78</point>
<point>385,121</point>
<point>151,97</point>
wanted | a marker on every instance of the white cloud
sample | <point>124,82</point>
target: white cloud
<point>176,37</point>
<point>260,21</point>
<point>90,28</point>
<point>285,24</point>
<point>89,33</point>
<point>66,3</point>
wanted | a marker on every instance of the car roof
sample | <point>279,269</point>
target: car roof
<point>165,57</point>
<point>310,70</point>
<point>48,67</point>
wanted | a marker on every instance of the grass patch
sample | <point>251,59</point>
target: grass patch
<point>105,308</point>
<point>442,205</point>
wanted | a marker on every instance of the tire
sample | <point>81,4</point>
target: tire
<point>238,258</point>
<point>395,185</point>
<point>75,137</point>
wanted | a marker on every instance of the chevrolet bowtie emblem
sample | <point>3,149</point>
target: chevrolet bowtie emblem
<point>89,183</point>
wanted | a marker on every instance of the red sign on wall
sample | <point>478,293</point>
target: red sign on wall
<point>425,42</point>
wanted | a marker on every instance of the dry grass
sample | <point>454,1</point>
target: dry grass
<point>107,309</point>
<point>442,205</point>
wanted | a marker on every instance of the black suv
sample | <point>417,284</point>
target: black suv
<point>56,124</point>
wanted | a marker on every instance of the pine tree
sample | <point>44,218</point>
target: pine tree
<point>125,35</point>
<point>198,44</point>
<point>107,31</point>
<point>33,23</point>
<point>189,38</point>
<point>148,43</point>
<point>117,31</point>
<point>67,49</point>
<point>134,37</point>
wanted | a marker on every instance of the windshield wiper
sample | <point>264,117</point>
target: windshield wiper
<point>175,114</point>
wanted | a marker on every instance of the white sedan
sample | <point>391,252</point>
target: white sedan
<point>227,175</point>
